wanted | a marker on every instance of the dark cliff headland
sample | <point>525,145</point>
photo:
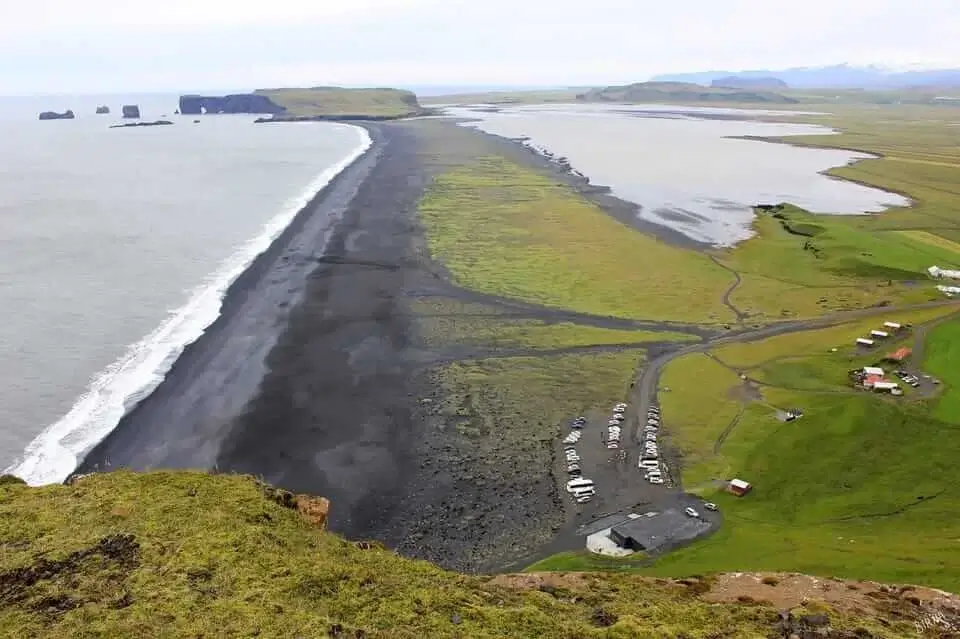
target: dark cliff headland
<point>310,104</point>
<point>235,103</point>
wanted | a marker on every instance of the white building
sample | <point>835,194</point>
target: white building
<point>873,370</point>
<point>885,386</point>
<point>949,291</point>
<point>892,326</point>
<point>880,334</point>
<point>938,273</point>
<point>863,341</point>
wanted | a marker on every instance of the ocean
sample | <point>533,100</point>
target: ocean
<point>116,247</point>
<point>685,166</point>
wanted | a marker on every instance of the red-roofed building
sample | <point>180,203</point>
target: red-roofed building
<point>870,380</point>
<point>900,354</point>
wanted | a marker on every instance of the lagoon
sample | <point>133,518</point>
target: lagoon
<point>685,167</point>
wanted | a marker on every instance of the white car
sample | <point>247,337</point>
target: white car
<point>651,437</point>
<point>620,407</point>
<point>652,464</point>
<point>613,445</point>
<point>655,480</point>
<point>691,512</point>
<point>615,429</point>
<point>709,505</point>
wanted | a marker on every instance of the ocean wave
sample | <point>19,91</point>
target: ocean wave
<point>56,452</point>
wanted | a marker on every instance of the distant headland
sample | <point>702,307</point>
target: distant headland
<point>317,103</point>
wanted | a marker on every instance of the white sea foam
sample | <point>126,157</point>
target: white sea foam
<point>55,453</point>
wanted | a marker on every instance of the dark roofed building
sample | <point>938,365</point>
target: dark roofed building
<point>650,533</point>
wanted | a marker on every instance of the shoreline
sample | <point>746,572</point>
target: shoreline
<point>287,260</point>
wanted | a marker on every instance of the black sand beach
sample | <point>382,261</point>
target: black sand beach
<point>315,378</point>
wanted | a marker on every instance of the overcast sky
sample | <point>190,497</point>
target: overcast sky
<point>90,46</point>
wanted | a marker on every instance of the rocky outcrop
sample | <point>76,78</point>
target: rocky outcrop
<point>130,124</point>
<point>53,115</point>
<point>236,103</point>
<point>131,111</point>
<point>103,109</point>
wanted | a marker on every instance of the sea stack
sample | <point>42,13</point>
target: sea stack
<point>103,109</point>
<point>131,111</point>
<point>53,115</point>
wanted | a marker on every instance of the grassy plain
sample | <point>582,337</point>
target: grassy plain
<point>835,267</point>
<point>943,361</point>
<point>695,415</point>
<point>345,102</point>
<point>183,554</point>
<point>504,229</point>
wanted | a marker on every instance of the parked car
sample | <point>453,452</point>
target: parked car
<point>710,506</point>
<point>613,445</point>
<point>655,480</point>
<point>650,437</point>
<point>620,407</point>
<point>691,512</point>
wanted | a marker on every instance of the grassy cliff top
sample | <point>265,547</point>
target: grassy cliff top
<point>183,554</point>
<point>339,101</point>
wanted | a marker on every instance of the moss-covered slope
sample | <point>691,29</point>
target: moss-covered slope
<point>184,554</point>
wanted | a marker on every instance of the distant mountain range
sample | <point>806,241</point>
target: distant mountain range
<point>836,76</point>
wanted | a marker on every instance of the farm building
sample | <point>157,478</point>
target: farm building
<point>899,355</point>
<point>739,487</point>
<point>873,370</point>
<point>653,532</point>
<point>892,326</point>
<point>871,381</point>
<point>885,387</point>
<point>863,341</point>
<point>938,273</point>
<point>949,290</point>
<point>880,334</point>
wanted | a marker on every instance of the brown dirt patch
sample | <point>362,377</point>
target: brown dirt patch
<point>787,591</point>
<point>540,580</point>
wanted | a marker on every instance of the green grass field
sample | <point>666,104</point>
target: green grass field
<point>850,267</point>
<point>344,102</point>
<point>943,361</point>
<point>503,229</point>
